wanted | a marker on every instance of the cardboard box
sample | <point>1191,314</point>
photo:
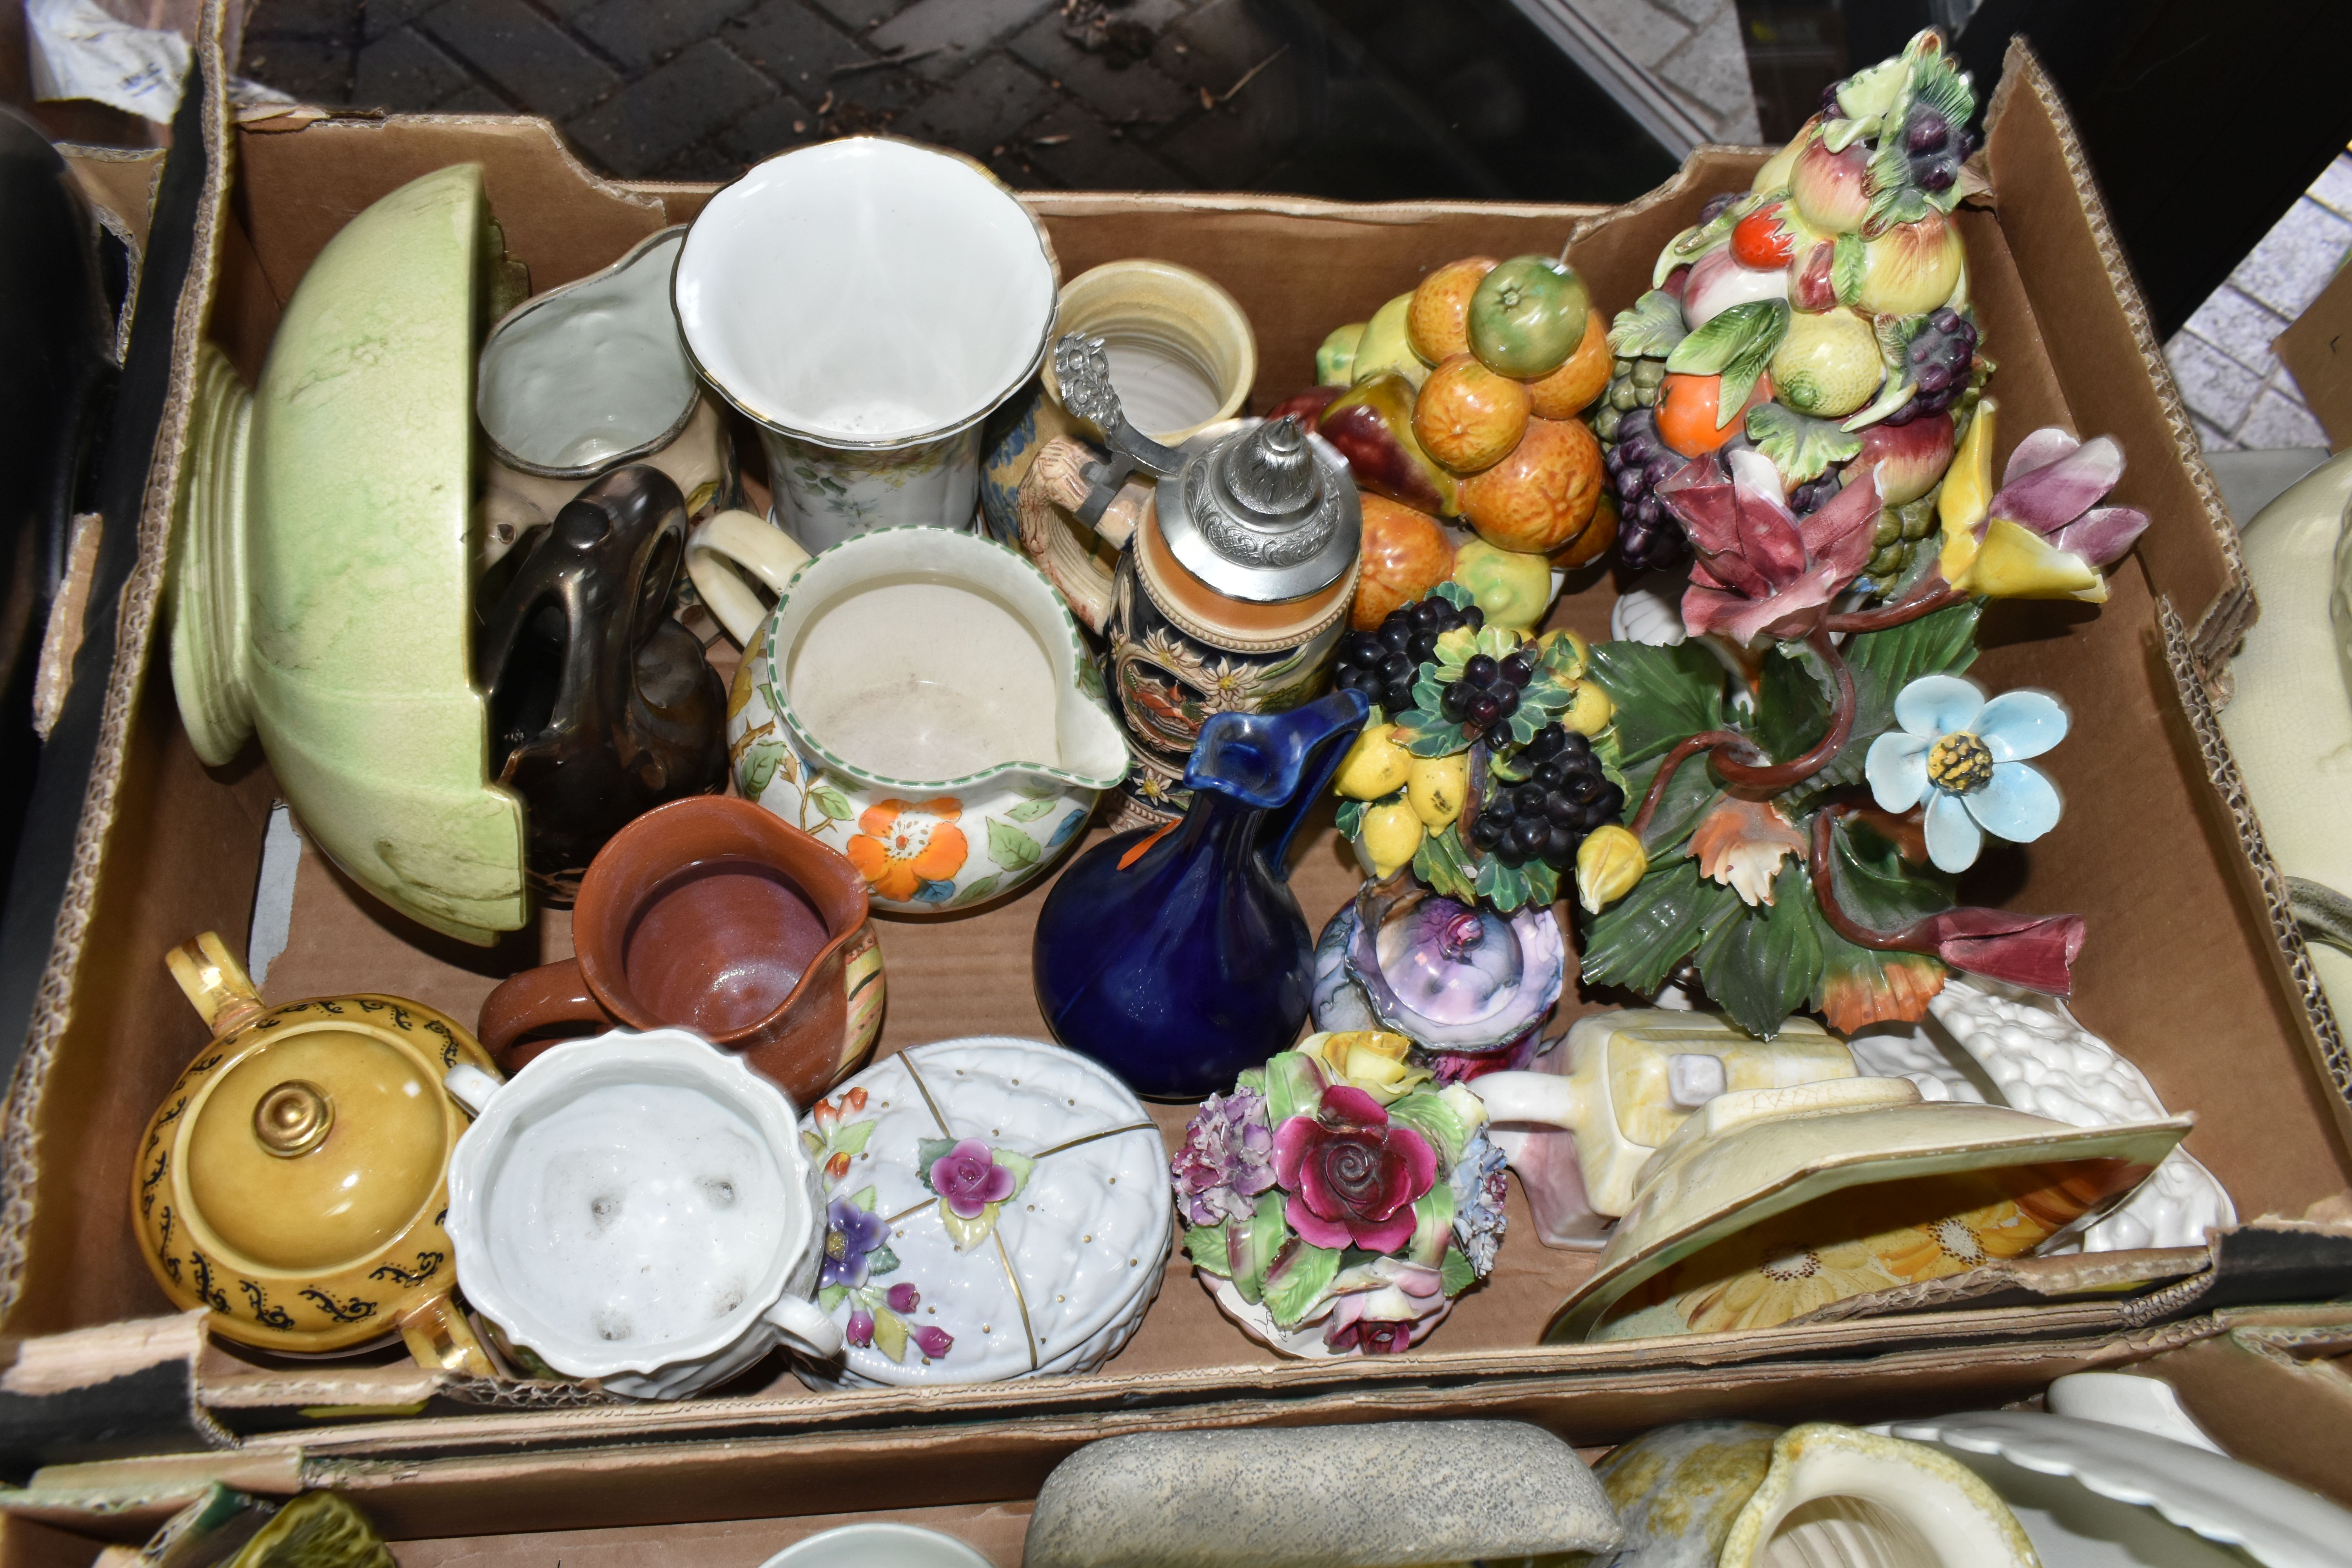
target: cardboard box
<point>2193,968</point>
<point>2317,350</point>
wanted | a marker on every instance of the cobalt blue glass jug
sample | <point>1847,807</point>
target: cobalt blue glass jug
<point>1177,956</point>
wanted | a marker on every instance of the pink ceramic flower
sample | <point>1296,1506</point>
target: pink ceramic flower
<point>861,1328</point>
<point>1352,1175</point>
<point>1761,572</point>
<point>970,1179</point>
<point>1389,1317</point>
<point>904,1298</point>
<point>932,1342</point>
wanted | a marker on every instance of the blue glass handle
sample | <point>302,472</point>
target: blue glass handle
<point>1279,764</point>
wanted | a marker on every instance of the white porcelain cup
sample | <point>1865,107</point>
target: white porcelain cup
<point>877,1546</point>
<point>636,1208</point>
<point>866,302</point>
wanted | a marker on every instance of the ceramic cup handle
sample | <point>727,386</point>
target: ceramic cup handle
<point>760,548</point>
<point>1544,1099</point>
<point>806,1326</point>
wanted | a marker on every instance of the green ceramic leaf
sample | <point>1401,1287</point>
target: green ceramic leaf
<point>1846,263</point>
<point>1803,448</point>
<point>1010,848</point>
<point>1759,964</point>
<point>832,1296</point>
<point>1503,887</point>
<point>1662,695</point>
<point>1680,805</point>
<point>1435,1120</point>
<point>1649,328</point>
<point>1455,647</point>
<point>864,1197</point>
<point>1792,713</point>
<point>831,802</point>
<point>1296,1282</point>
<point>973,892</point>
<point>1867,982</point>
<point>1444,864</point>
<point>1021,1166</point>
<point>1456,1274</point>
<point>881,1260</point>
<point>1740,375</point>
<point>1430,735</point>
<point>1205,1246</point>
<point>850,1138</point>
<point>1543,883</point>
<point>1031,810</point>
<point>1350,817</point>
<point>890,1333</point>
<point>1250,1244</point>
<point>1432,1225</point>
<point>1637,940</point>
<point>1883,663</point>
<point>1877,886</point>
<point>1293,1087</point>
<point>1730,335</point>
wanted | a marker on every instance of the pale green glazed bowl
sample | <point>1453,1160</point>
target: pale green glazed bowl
<point>321,593</point>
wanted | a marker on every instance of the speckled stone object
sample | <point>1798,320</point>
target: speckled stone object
<point>1458,1491</point>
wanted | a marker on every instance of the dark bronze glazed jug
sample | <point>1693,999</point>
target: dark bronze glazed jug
<point>601,706</point>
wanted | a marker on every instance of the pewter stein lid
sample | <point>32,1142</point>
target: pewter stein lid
<point>1268,514</point>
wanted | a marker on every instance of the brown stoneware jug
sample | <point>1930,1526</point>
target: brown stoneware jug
<point>716,916</point>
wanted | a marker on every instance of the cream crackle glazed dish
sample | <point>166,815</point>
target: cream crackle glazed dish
<point>322,592</point>
<point>919,702</point>
<point>994,1209</point>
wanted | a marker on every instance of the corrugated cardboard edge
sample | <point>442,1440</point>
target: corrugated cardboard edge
<point>2201,709</point>
<point>2222,623</point>
<point>134,640</point>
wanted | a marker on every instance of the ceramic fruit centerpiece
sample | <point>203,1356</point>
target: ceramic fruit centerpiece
<point>1337,1201</point>
<point>1457,403</point>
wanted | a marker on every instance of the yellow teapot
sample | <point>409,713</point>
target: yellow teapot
<point>295,1178</point>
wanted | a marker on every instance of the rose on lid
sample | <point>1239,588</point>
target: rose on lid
<point>1352,1174</point>
<point>969,1178</point>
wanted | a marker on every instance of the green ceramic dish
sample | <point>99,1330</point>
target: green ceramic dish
<point>322,580</point>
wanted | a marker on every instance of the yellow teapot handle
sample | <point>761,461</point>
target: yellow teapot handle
<point>439,1337</point>
<point>217,984</point>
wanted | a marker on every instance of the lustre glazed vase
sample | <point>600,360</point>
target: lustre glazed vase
<point>921,703</point>
<point>294,1180</point>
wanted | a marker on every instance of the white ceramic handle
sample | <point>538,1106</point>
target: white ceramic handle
<point>806,1326</point>
<point>1546,1098</point>
<point>760,548</point>
<point>470,1086</point>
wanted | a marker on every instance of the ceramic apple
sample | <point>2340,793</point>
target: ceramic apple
<point>1467,418</point>
<point>1383,349</point>
<point>1371,424</point>
<point>1527,315</point>
<point>1438,323</point>
<point>1909,458</point>
<point>1911,269</point>
<point>1543,494</point>
<point>1406,554</point>
<point>1830,190</point>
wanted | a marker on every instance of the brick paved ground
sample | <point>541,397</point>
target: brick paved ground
<point>2239,395</point>
<point>1365,98</point>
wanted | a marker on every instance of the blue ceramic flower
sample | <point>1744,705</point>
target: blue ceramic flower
<point>1966,757</point>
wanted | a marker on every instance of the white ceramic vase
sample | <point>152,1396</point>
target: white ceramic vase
<point>867,303</point>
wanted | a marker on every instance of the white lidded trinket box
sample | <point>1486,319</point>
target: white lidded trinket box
<point>995,1208</point>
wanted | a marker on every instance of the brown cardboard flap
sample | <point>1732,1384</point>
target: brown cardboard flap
<point>2275,1390</point>
<point>2106,354</point>
<point>2317,349</point>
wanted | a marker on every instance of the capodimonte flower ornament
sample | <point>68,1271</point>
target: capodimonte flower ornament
<point>2043,534</point>
<point>1965,758</point>
<point>1761,571</point>
<point>1377,1217</point>
<point>974,1182</point>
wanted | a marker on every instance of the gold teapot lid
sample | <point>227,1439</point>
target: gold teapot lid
<point>322,1141</point>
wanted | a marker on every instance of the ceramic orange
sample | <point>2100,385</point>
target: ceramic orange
<point>1467,418</point>
<point>1438,323</point>
<point>1542,495</point>
<point>1569,390</point>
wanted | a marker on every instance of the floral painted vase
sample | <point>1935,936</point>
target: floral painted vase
<point>827,494</point>
<point>994,1209</point>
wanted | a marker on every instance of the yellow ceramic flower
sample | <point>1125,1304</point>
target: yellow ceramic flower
<point>2039,536</point>
<point>1371,1060</point>
<point>1959,1242</point>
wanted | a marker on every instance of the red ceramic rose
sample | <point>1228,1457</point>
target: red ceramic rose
<point>1352,1175</point>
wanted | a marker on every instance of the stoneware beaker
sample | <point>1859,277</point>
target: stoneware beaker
<point>921,702</point>
<point>711,915</point>
<point>577,382</point>
<point>867,303</point>
<point>1182,356</point>
<point>636,1208</point>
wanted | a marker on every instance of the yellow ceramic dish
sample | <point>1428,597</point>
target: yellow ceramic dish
<point>295,1178</point>
<point>1750,1156</point>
